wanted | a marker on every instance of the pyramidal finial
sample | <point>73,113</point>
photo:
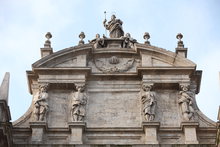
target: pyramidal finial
<point>4,89</point>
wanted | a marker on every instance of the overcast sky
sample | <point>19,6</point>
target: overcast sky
<point>23,24</point>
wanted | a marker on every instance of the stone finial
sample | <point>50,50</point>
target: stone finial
<point>4,89</point>
<point>179,36</point>
<point>146,37</point>
<point>180,50</point>
<point>47,50</point>
<point>81,36</point>
<point>47,43</point>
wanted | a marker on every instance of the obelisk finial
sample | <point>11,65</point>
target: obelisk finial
<point>4,89</point>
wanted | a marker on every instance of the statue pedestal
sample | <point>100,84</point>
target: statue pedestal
<point>76,129</point>
<point>114,42</point>
<point>38,129</point>
<point>150,129</point>
<point>189,129</point>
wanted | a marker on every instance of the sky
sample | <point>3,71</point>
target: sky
<point>24,23</point>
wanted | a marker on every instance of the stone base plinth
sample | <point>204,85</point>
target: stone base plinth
<point>46,52</point>
<point>76,129</point>
<point>189,129</point>
<point>150,129</point>
<point>38,129</point>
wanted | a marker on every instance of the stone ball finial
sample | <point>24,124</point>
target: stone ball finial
<point>146,37</point>
<point>47,43</point>
<point>81,36</point>
<point>48,35</point>
<point>179,36</point>
<point>180,44</point>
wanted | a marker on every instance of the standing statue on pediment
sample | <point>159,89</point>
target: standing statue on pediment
<point>115,27</point>
<point>186,103</point>
<point>149,102</point>
<point>79,100</point>
<point>41,104</point>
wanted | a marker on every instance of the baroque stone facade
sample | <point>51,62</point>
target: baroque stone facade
<point>110,92</point>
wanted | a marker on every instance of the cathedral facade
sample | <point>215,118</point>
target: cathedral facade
<point>110,92</point>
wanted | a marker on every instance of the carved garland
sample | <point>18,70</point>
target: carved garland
<point>113,66</point>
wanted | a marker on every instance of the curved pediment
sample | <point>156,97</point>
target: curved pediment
<point>140,55</point>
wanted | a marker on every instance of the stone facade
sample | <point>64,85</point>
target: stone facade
<point>113,92</point>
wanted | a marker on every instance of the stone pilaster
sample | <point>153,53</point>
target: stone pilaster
<point>76,128</point>
<point>189,129</point>
<point>150,129</point>
<point>38,130</point>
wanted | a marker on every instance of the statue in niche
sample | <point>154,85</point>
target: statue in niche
<point>79,100</point>
<point>98,42</point>
<point>115,27</point>
<point>41,104</point>
<point>128,41</point>
<point>186,103</point>
<point>149,102</point>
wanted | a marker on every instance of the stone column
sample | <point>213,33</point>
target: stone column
<point>38,129</point>
<point>189,129</point>
<point>76,128</point>
<point>150,129</point>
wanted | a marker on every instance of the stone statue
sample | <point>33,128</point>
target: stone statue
<point>41,105</point>
<point>128,41</point>
<point>98,42</point>
<point>115,27</point>
<point>186,103</point>
<point>149,102</point>
<point>79,100</point>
